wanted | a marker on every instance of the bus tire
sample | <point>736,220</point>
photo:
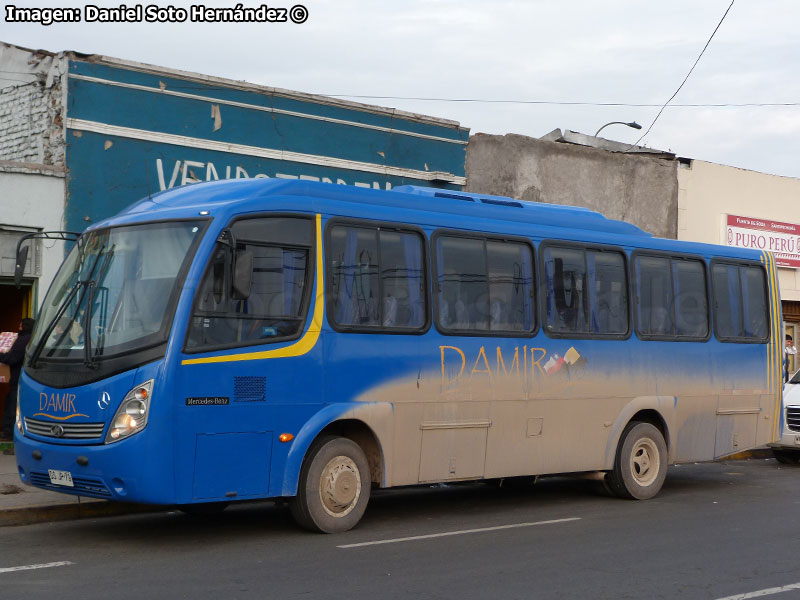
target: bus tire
<point>640,466</point>
<point>334,486</point>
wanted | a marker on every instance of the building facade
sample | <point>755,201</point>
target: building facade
<point>670,197</point>
<point>737,207</point>
<point>640,188</point>
<point>83,136</point>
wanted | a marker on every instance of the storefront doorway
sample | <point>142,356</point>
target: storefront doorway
<point>15,305</point>
<point>791,326</point>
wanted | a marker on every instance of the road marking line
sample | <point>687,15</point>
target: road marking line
<point>461,532</point>
<point>766,592</point>
<point>29,567</point>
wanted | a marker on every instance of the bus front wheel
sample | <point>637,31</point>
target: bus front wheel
<point>334,486</point>
<point>641,462</point>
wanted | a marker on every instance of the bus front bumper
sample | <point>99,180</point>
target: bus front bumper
<point>107,471</point>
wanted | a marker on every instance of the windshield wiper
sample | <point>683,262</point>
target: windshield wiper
<point>86,323</point>
<point>63,308</point>
<point>52,324</point>
<point>88,359</point>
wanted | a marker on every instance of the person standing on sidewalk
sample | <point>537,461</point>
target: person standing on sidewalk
<point>14,358</point>
<point>788,349</point>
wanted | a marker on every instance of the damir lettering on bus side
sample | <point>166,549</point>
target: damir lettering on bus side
<point>453,360</point>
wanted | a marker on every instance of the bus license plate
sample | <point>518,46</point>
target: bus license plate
<point>61,478</point>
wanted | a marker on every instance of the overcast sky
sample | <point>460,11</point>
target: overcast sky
<point>596,51</point>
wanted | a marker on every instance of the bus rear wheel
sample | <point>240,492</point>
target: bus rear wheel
<point>640,466</point>
<point>334,486</point>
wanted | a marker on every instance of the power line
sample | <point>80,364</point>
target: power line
<point>560,103</point>
<point>514,101</point>
<point>208,88</point>
<point>685,79</point>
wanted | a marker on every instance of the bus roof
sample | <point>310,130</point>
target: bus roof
<point>244,191</point>
<point>254,195</point>
<point>525,211</point>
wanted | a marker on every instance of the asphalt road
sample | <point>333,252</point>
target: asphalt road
<point>717,530</point>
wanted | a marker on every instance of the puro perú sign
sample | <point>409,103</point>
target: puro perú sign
<point>782,239</point>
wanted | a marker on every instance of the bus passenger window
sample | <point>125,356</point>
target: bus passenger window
<point>402,279</point>
<point>376,278</point>
<point>609,285</point>
<point>354,270</point>
<point>672,301</point>
<point>463,286</point>
<point>754,303</point>
<point>691,302</point>
<point>587,291</point>
<point>740,302</point>
<point>484,285</point>
<point>727,301</point>
<point>565,275</point>
<point>510,286</point>
<point>654,294</point>
<point>274,308</point>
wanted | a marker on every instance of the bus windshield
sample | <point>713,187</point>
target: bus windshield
<point>128,277</point>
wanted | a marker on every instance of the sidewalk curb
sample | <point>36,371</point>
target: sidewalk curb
<point>749,454</point>
<point>30,515</point>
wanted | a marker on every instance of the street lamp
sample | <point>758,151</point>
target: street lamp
<point>632,124</point>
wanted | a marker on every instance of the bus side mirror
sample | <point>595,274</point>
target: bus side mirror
<point>19,268</point>
<point>242,275</point>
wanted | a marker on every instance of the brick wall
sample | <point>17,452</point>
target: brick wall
<point>31,124</point>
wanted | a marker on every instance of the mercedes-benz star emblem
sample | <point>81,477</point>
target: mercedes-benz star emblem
<point>104,401</point>
<point>57,430</point>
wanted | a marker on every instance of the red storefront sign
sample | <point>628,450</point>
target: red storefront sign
<point>782,239</point>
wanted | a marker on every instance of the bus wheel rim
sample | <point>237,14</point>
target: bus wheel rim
<point>340,486</point>
<point>645,462</point>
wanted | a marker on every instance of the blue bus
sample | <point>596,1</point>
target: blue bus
<point>254,339</point>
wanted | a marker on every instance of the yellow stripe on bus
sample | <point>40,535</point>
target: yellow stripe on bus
<point>778,347</point>
<point>774,367</point>
<point>772,355</point>
<point>301,346</point>
<point>769,346</point>
<point>774,362</point>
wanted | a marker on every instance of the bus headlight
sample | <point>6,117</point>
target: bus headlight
<point>18,420</point>
<point>131,417</point>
